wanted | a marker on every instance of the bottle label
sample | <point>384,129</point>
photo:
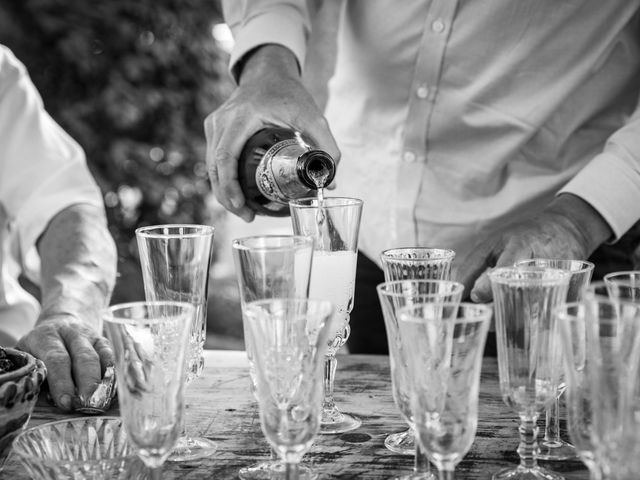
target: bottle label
<point>275,173</point>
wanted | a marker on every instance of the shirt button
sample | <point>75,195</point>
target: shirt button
<point>438,26</point>
<point>422,91</point>
<point>409,157</point>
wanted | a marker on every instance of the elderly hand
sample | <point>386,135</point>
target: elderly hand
<point>75,355</point>
<point>568,228</point>
<point>270,92</point>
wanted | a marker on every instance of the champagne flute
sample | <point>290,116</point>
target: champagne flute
<point>552,446</point>
<point>334,224</point>
<point>573,324</point>
<point>267,267</point>
<point>443,344</point>
<point>612,357</point>
<point>288,338</point>
<point>524,300</point>
<point>175,261</point>
<point>150,342</point>
<point>393,296</point>
<point>413,263</point>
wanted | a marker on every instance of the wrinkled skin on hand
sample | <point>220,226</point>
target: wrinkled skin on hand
<point>569,229</point>
<point>270,92</point>
<point>74,354</point>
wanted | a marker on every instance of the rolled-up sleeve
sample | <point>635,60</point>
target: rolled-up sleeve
<point>611,181</point>
<point>254,23</point>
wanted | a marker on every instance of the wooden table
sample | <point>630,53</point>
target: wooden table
<point>221,407</point>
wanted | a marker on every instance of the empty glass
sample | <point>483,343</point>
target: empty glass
<point>443,345</point>
<point>270,266</point>
<point>394,296</point>
<point>175,261</point>
<point>288,339</point>
<point>524,302</point>
<point>552,447</point>
<point>572,323</point>
<point>413,263</point>
<point>334,225</point>
<point>612,353</point>
<point>150,341</point>
<point>417,263</point>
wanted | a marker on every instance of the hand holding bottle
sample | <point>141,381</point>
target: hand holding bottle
<point>270,92</point>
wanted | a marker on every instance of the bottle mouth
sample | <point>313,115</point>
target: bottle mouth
<point>316,169</point>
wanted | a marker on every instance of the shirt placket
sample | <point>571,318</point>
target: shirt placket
<point>422,99</point>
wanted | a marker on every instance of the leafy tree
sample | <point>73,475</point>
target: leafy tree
<point>132,82</point>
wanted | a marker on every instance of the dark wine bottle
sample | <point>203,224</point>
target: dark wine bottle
<point>277,165</point>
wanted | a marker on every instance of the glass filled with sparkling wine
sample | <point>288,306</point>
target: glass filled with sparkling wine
<point>334,224</point>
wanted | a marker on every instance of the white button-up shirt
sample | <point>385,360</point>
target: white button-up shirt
<point>457,117</point>
<point>42,171</point>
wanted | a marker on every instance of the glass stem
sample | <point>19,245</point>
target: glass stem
<point>330,364</point>
<point>528,447</point>
<point>156,473</point>
<point>446,475</point>
<point>183,423</point>
<point>292,471</point>
<point>183,427</point>
<point>420,461</point>
<point>552,423</point>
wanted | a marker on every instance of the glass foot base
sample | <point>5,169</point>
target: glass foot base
<point>273,470</point>
<point>402,443</point>
<point>556,451</point>
<point>337,422</point>
<point>521,473</point>
<point>192,448</point>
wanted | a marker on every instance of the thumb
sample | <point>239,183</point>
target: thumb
<point>481,291</point>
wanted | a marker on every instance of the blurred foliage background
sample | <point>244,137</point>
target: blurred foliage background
<point>132,82</point>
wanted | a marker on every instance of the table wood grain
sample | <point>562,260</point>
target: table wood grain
<point>221,408</point>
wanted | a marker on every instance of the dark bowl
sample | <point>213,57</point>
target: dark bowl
<point>19,389</point>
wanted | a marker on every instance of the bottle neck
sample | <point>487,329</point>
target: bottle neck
<point>316,169</point>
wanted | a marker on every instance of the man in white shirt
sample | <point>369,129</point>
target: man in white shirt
<point>53,232</point>
<point>503,130</point>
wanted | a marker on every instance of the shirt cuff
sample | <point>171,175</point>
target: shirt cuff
<point>283,26</point>
<point>611,184</point>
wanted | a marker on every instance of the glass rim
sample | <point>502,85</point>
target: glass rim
<point>109,317</point>
<point>502,276</point>
<point>597,301</point>
<point>484,307</point>
<point>29,431</point>
<point>585,265</point>
<point>484,316</point>
<point>83,418</point>
<point>292,300</point>
<point>297,242</point>
<point>617,277</point>
<point>155,231</point>
<point>382,288</point>
<point>329,202</point>
<point>446,253</point>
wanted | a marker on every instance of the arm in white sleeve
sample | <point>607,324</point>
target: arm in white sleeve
<point>611,181</point>
<point>47,193</point>
<point>258,22</point>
